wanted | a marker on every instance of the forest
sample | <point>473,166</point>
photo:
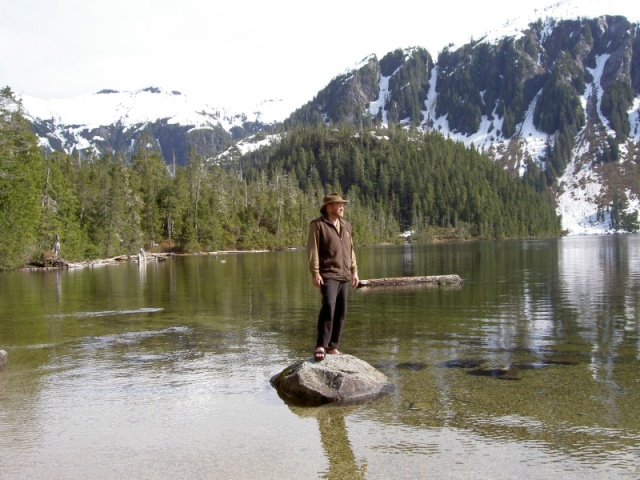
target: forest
<point>103,205</point>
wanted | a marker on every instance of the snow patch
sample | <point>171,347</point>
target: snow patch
<point>601,61</point>
<point>109,107</point>
<point>563,10</point>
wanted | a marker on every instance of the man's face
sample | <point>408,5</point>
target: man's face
<point>336,209</point>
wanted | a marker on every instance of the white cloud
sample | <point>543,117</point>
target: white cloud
<point>234,52</point>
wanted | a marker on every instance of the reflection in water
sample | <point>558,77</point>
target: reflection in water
<point>601,282</point>
<point>407,261</point>
<point>105,313</point>
<point>335,442</point>
<point>142,269</point>
<point>173,361</point>
<point>59,286</point>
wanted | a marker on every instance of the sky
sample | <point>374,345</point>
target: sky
<point>230,53</point>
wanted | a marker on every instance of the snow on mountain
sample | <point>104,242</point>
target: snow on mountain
<point>564,10</point>
<point>580,187</point>
<point>109,107</point>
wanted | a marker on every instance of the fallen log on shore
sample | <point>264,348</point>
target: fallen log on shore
<point>141,257</point>
<point>401,281</point>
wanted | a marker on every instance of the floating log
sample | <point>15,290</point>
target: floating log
<point>401,281</point>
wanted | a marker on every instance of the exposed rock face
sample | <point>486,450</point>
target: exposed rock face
<point>348,96</point>
<point>3,359</point>
<point>342,379</point>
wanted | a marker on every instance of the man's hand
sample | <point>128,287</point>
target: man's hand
<point>317,280</point>
<point>355,280</point>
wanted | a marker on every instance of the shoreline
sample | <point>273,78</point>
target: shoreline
<point>60,263</point>
<point>146,257</point>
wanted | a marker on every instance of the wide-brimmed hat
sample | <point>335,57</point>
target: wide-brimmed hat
<point>331,198</point>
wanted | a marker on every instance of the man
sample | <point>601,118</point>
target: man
<point>332,263</point>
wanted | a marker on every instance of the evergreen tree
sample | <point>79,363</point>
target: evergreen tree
<point>396,179</point>
<point>21,179</point>
<point>616,101</point>
<point>152,185</point>
<point>61,208</point>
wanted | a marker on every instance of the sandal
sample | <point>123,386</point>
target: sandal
<point>319,353</point>
<point>333,351</point>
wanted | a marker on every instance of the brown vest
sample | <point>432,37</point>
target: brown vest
<point>334,249</point>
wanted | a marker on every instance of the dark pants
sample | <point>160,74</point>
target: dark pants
<point>332,313</point>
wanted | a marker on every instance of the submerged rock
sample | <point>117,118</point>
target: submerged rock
<point>342,379</point>
<point>537,364</point>
<point>510,372</point>
<point>3,359</point>
<point>415,366</point>
<point>462,363</point>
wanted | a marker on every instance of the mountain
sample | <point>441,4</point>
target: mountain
<point>555,102</point>
<point>111,121</point>
<point>553,97</point>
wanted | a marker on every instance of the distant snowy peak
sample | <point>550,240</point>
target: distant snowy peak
<point>108,107</point>
<point>564,10</point>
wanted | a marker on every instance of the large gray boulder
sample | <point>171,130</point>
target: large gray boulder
<point>342,379</point>
<point>3,359</point>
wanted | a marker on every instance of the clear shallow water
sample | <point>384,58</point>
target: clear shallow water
<point>163,371</point>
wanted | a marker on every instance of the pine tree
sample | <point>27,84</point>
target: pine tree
<point>21,177</point>
<point>60,205</point>
<point>153,180</point>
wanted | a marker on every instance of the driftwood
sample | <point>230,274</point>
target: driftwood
<point>401,281</point>
<point>141,257</point>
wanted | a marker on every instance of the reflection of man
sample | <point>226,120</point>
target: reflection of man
<point>332,263</point>
<point>336,444</point>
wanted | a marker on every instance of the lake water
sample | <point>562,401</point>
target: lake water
<point>162,371</point>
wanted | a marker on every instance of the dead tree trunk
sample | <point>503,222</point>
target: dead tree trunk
<point>56,245</point>
<point>401,281</point>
